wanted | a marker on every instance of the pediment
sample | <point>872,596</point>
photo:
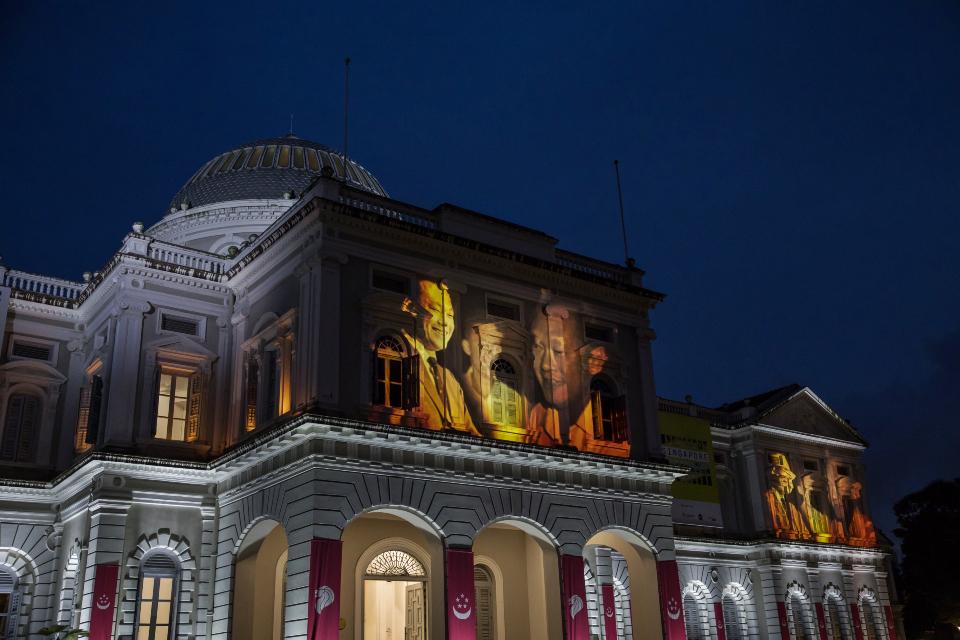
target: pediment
<point>181,345</point>
<point>804,412</point>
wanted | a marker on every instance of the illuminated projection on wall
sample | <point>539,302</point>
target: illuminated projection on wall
<point>501,369</point>
<point>816,506</point>
<point>686,440</point>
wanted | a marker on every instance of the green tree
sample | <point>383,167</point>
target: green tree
<point>930,537</point>
<point>62,632</point>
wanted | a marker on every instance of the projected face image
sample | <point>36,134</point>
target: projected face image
<point>548,362</point>
<point>437,319</point>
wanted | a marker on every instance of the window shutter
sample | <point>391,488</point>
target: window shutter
<point>374,382</point>
<point>93,410</point>
<point>11,427</point>
<point>83,420</point>
<point>411,381</point>
<point>618,414</point>
<point>156,400</point>
<point>250,409</point>
<point>496,400</point>
<point>510,405</point>
<point>271,385</point>
<point>192,433</point>
<point>29,425</point>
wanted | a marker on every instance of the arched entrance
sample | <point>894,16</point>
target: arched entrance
<point>392,579</point>
<point>260,583</point>
<point>518,573</point>
<point>621,564</point>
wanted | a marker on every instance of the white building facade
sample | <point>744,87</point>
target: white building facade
<point>297,408</point>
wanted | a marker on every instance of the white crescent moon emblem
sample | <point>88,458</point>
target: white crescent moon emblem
<point>462,616</point>
<point>673,615</point>
<point>608,612</point>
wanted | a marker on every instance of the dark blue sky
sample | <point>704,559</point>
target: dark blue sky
<point>791,170</point>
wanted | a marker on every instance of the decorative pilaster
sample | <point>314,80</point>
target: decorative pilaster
<point>125,364</point>
<point>221,396</point>
<point>108,516</point>
<point>306,389</point>
<point>63,453</point>
<point>650,431</point>
<point>327,365</point>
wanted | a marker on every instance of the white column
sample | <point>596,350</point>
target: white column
<point>108,517</point>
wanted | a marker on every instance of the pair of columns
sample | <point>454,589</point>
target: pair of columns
<point>855,621</point>
<point>324,600</point>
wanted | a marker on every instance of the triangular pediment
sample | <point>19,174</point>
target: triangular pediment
<point>804,412</point>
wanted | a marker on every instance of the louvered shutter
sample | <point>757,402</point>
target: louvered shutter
<point>93,410</point>
<point>29,428</point>
<point>157,372</point>
<point>250,408</point>
<point>83,420</point>
<point>376,395</point>
<point>11,427</point>
<point>411,381</point>
<point>496,400</point>
<point>618,416</point>
<point>731,619</point>
<point>510,405</point>
<point>194,407</point>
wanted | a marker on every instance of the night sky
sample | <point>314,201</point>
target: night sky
<point>791,170</point>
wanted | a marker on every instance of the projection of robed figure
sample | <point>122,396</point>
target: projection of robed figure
<point>441,397</point>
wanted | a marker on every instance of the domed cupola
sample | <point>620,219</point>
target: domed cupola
<point>260,180</point>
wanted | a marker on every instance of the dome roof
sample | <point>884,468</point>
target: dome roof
<point>266,169</point>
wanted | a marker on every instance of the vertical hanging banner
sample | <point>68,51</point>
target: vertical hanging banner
<point>721,625</point>
<point>574,598</point>
<point>855,619</point>
<point>891,623</point>
<point>821,621</point>
<point>323,613</point>
<point>461,614</point>
<point>671,600</point>
<point>609,612</point>
<point>105,579</point>
<point>782,616</point>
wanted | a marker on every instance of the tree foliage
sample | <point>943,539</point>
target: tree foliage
<point>930,534</point>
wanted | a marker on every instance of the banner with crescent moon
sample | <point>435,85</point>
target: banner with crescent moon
<point>855,619</point>
<point>608,612</point>
<point>671,600</point>
<point>721,623</point>
<point>105,578</point>
<point>574,598</point>
<point>461,617</point>
<point>323,620</point>
<point>891,623</point>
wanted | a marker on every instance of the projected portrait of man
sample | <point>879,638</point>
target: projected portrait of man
<point>543,421</point>
<point>441,397</point>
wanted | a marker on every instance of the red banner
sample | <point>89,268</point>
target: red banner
<point>574,598</point>
<point>671,600</point>
<point>323,614</point>
<point>609,612</point>
<point>821,621</point>
<point>721,625</point>
<point>891,623</point>
<point>105,579</point>
<point>855,618</point>
<point>782,616</point>
<point>461,618</point>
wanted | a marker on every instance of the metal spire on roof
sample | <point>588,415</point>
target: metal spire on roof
<point>346,114</point>
<point>630,262</point>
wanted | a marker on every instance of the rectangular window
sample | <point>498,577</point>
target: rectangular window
<point>386,281</point>
<point>88,418</point>
<point>173,398</point>
<point>253,389</point>
<point>155,608</point>
<point>810,465</point>
<point>843,470</point>
<point>598,332</point>
<point>501,309</point>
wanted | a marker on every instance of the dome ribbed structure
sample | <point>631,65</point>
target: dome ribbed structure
<point>268,169</point>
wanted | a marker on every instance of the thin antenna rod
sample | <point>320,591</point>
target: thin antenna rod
<point>291,124</point>
<point>346,114</point>
<point>623,225</point>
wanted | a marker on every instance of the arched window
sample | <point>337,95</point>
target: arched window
<point>504,400</point>
<point>21,428</point>
<point>396,376</point>
<point>609,412</point>
<point>734,617</point>
<point>834,611</point>
<point>694,617</point>
<point>395,564</point>
<point>9,603</point>
<point>799,619</point>
<point>870,611</point>
<point>157,597</point>
<point>483,584</point>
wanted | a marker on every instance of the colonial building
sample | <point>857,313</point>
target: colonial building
<point>294,407</point>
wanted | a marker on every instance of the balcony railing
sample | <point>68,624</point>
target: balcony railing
<point>183,257</point>
<point>42,285</point>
